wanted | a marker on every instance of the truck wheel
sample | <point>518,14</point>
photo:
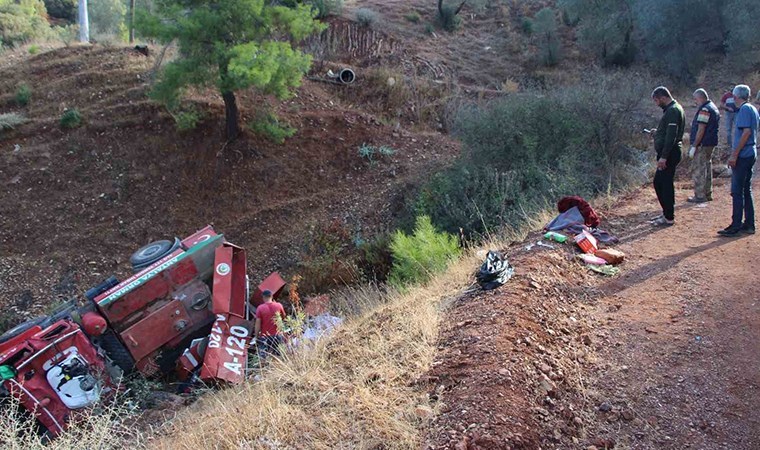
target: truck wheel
<point>117,352</point>
<point>18,329</point>
<point>151,253</point>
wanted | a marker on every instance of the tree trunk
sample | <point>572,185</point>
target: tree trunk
<point>132,21</point>
<point>232,128</point>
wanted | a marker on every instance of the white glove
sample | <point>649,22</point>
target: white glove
<point>692,151</point>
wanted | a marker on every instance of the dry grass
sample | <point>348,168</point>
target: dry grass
<point>355,389</point>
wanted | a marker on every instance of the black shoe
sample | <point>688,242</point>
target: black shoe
<point>747,229</point>
<point>730,231</point>
<point>697,200</point>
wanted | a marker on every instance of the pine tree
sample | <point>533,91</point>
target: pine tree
<point>230,45</point>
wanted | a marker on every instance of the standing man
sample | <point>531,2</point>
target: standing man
<point>668,143</point>
<point>742,162</point>
<point>704,138</point>
<point>728,104</point>
<point>268,336</point>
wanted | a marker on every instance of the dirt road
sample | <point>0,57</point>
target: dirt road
<point>664,356</point>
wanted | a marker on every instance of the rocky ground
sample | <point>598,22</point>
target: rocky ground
<point>663,356</point>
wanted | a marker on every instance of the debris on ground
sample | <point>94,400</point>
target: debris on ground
<point>495,271</point>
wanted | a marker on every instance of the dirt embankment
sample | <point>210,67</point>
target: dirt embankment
<point>76,203</point>
<point>664,356</point>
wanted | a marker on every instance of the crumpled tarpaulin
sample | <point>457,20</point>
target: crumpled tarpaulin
<point>495,271</point>
<point>572,221</point>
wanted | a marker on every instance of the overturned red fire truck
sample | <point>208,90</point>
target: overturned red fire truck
<point>186,310</point>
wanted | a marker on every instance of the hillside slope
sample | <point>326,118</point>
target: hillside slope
<point>76,203</point>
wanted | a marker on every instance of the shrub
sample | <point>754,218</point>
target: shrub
<point>62,9</point>
<point>66,35</point>
<point>525,151</point>
<point>269,127</point>
<point>413,17</point>
<point>527,25</point>
<point>370,152</point>
<point>448,17</point>
<point>327,8</point>
<point>9,121</point>
<point>188,119</point>
<point>366,17</point>
<point>71,119</point>
<point>108,18</point>
<point>23,95</point>
<point>22,21</point>
<point>546,28</point>
<point>33,49</point>
<point>418,256</point>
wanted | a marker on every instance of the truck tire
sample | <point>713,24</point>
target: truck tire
<point>151,253</point>
<point>18,329</point>
<point>117,352</point>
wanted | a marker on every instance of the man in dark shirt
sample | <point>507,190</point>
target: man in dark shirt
<point>704,138</point>
<point>668,142</point>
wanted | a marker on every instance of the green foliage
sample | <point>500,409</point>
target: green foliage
<point>371,152</point>
<point>22,21</point>
<point>326,8</point>
<point>187,119</point>
<point>418,256</point>
<point>231,45</point>
<point>269,127</point>
<point>23,95</point>
<point>527,25</point>
<point>742,42</point>
<point>34,49</point>
<point>9,121</point>
<point>108,17</point>
<point>71,119</point>
<point>546,28</point>
<point>527,150</point>
<point>366,17</point>
<point>413,17</point>
<point>448,17</point>
<point>67,34</point>
<point>62,9</point>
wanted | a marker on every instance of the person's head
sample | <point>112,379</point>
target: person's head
<point>661,96</point>
<point>757,99</point>
<point>267,296</point>
<point>700,97</point>
<point>742,94</point>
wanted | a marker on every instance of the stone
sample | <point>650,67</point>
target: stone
<point>605,407</point>
<point>424,412</point>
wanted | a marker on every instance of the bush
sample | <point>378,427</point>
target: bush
<point>525,151</point>
<point>269,127</point>
<point>527,26</point>
<point>9,121</point>
<point>413,17</point>
<point>546,28</point>
<point>66,35</point>
<point>448,18</point>
<point>33,49</point>
<point>23,95</point>
<point>371,152</point>
<point>21,22</point>
<point>188,119</point>
<point>366,17</point>
<point>108,18</point>
<point>326,8</point>
<point>418,256</point>
<point>71,119</point>
<point>62,9</point>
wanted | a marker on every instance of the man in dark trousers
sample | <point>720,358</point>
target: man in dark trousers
<point>704,138</point>
<point>668,142</point>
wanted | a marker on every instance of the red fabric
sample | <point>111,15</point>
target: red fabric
<point>588,213</point>
<point>266,313</point>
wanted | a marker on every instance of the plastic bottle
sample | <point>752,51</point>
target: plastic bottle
<point>556,237</point>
